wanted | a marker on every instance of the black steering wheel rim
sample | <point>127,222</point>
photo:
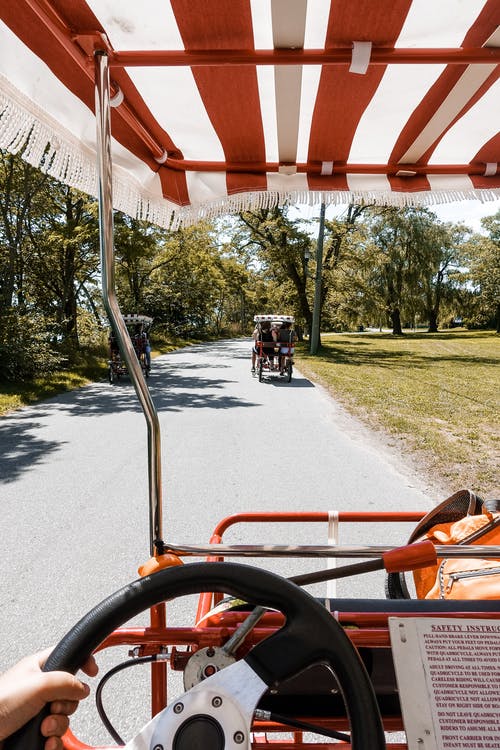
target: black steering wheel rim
<point>310,635</point>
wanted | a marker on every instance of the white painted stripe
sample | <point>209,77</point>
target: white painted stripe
<point>331,562</point>
<point>267,96</point>
<point>472,131</point>
<point>450,183</point>
<point>288,83</point>
<point>281,183</point>
<point>262,24</point>
<point>441,23</point>
<point>465,88</point>
<point>400,91</point>
<point>310,82</point>
<point>174,100</point>
<point>376,183</point>
<point>289,19</point>
<point>206,186</point>
<point>138,26</point>
<point>318,13</point>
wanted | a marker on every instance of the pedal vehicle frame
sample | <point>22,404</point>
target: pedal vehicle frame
<point>274,359</point>
<point>116,365</point>
<point>364,621</point>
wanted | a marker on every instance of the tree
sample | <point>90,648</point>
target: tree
<point>418,255</point>
<point>279,244</point>
<point>484,273</point>
<point>438,260</point>
<point>65,258</point>
<point>20,187</point>
<point>184,294</point>
<point>140,250</point>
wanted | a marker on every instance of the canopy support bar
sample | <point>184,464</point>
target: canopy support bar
<point>105,188</point>
<point>337,56</point>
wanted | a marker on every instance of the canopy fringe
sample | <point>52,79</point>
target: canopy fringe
<point>27,130</point>
<point>41,141</point>
<point>189,215</point>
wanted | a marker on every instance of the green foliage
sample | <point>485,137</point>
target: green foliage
<point>379,265</point>
<point>279,245</point>
<point>484,276</point>
<point>25,349</point>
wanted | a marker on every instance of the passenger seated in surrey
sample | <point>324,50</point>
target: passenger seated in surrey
<point>287,338</point>
<point>268,337</point>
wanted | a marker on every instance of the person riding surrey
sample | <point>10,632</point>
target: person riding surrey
<point>141,344</point>
<point>113,344</point>
<point>267,336</point>
<point>286,337</point>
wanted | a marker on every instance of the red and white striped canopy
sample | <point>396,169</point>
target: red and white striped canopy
<point>222,105</point>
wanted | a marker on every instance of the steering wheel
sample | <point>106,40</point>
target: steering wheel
<point>310,635</point>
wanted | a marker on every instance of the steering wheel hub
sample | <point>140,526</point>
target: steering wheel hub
<point>199,733</point>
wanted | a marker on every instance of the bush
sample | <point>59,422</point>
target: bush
<point>25,350</point>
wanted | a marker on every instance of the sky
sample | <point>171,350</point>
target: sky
<point>465,212</point>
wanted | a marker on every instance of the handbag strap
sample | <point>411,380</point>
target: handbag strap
<point>460,504</point>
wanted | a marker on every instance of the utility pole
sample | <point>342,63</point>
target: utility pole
<point>317,284</point>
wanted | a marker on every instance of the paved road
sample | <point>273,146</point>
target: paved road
<point>74,483</point>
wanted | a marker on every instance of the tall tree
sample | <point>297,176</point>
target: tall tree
<point>439,252</point>
<point>65,258</point>
<point>280,244</point>
<point>20,188</point>
<point>141,249</point>
<point>484,273</point>
<point>416,255</point>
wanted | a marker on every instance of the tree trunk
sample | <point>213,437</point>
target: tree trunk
<point>433,323</point>
<point>396,321</point>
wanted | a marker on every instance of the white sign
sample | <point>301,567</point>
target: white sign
<point>448,674</point>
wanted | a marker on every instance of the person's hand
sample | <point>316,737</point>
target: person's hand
<point>25,689</point>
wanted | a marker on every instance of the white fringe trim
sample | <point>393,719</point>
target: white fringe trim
<point>25,128</point>
<point>45,144</point>
<point>188,215</point>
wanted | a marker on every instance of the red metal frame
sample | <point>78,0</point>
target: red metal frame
<point>371,630</point>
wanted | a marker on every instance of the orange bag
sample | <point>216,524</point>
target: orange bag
<point>461,519</point>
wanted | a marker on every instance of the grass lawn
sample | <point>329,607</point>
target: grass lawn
<point>435,395</point>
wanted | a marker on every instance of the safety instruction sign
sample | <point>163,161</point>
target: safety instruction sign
<point>448,675</point>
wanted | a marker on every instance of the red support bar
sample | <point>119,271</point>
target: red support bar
<point>338,56</point>
<point>185,165</point>
<point>315,517</point>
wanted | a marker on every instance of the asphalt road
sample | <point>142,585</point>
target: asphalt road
<point>73,474</point>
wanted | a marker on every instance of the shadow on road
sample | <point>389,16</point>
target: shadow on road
<point>174,385</point>
<point>296,382</point>
<point>21,448</point>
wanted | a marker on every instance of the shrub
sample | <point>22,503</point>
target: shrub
<point>25,349</point>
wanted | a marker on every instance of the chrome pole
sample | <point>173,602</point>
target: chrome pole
<point>104,166</point>
<point>280,550</point>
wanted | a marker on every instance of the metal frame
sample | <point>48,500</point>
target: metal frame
<point>105,176</point>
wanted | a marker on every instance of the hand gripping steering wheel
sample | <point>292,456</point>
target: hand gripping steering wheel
<point>310,635</point>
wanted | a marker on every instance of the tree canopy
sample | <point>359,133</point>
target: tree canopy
<point>381,267</point>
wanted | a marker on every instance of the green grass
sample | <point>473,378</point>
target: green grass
<point>436,395</point>
<point>13,395</point>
